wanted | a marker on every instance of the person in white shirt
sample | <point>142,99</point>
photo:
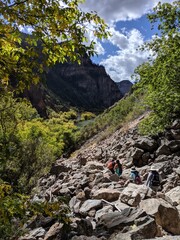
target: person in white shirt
<point>154,179</point>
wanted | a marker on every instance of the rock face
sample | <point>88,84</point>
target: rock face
<point>41,98</point>
<point>124,86</point>
<point>104,207</point>
<point>86,85</point>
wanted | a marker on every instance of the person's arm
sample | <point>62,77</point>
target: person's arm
<point>160,178</point>
<point>116,166</point>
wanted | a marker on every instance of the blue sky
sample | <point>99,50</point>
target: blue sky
<point>129,27</point>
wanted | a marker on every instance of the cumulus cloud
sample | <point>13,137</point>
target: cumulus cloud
<point>120,10</point>
<point>121,65</point>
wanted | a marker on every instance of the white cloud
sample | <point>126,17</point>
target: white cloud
<point>121,66</point>
<point>120,10</point>
<point>99,49</point>
<point>26,29</point>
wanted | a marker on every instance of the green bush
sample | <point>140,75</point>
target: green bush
<point>29,145</point>
<point>16,209</point>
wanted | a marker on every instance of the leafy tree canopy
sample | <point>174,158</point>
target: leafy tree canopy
<point>159,79</point>
<point>51,23</point>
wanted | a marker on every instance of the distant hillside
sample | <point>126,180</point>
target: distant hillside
<point>124,86</point>
<point>86,86</point>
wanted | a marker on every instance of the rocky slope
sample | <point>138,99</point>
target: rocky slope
<point>105,206</point>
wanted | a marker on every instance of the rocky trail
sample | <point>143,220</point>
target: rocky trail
<point>105,206</point>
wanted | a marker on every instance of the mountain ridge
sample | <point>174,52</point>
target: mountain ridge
<point>85,86</point>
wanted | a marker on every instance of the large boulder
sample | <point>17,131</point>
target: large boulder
<point>174,195</point>
<point>147,144</point>
<point>54,231</point>
<point>133,194</point>
<point>165,214</point>
<point>106,194</point>
<point>90,204</point>
<point>121,219</point>
<point>144,227</point>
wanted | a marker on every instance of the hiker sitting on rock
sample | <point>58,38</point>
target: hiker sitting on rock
<point>154,180</point>
<point>118,168</point>
<point>134,176</point>
<point>110,165</point>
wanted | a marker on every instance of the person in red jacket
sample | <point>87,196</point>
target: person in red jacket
<point>110,165</point>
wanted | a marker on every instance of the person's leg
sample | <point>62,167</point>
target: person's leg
<point>112,170</point>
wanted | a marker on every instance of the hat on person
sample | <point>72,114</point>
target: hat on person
<point>153,168</point>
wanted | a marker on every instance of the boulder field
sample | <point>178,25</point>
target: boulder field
<point>103,205</point>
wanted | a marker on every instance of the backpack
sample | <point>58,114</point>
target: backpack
<point>137,177</point>
<point>155,179</point>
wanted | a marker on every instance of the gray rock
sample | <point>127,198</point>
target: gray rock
<point>90,204</point>
<point>163,150</point>
<point>165,214</point>
<point>146,143</point>
<point>106,194</point>
<point>121,219</point>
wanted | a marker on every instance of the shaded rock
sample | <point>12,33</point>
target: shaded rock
<point>124,86</point>
<point>81,196</point>
<point>175,134</point>
<point>143,228</point>
<point>54,230</point>
<point>165,214</point>
<point>47,181</point>
<point>120,205</point>
<point>137,153</point>
<point>84,227</point>
<point>57,168</point>
<point>176,124</point>
<point>114,177</point>
<point>146,143</point>
<point>174,145</point>
<point>161,158</point>
<point>146,157</point>
<point>163,150</point>
<point>121,219</point>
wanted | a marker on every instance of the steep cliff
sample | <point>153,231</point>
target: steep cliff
<point>42,98</point>
<point>86,86</point>
<point>124,86</point>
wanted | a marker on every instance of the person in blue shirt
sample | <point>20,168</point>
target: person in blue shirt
<point>134,176</point>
